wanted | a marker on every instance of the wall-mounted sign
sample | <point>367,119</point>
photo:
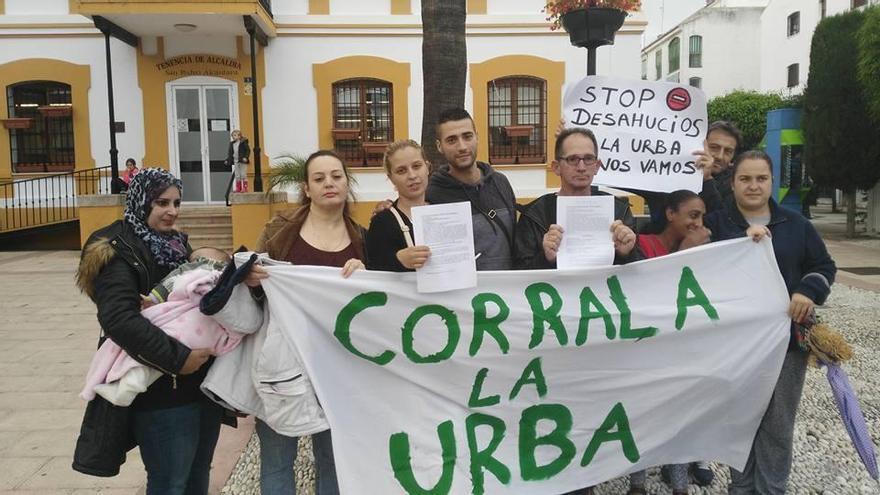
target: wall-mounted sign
<point>200,65</point>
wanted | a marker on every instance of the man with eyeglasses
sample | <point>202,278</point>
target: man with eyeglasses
<point>537,234</point>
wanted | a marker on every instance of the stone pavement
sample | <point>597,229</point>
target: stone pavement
<point>48,333</point>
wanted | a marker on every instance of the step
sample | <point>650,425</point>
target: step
<point>203,218</point>
<point>204,228</point>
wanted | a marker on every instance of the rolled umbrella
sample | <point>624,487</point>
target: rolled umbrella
<point>851,414</point>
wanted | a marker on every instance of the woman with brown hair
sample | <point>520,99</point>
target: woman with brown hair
<point>319,232</point>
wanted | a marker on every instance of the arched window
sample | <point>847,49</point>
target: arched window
<point>517,120</point>
<point>363,123</point>
<point>42,140</point>
<point>674,54</point>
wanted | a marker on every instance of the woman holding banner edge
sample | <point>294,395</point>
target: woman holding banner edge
<point>808,272</point>
<point>320,232</point>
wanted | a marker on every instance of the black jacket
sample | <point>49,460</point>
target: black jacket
<point>244,153</point>
<point>800,252</point>
<point>535,219</point>
<point>384,239</point>
<point>116,268</point>
<point>493,208</point>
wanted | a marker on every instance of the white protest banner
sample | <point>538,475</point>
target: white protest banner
<point>538,382</point>
<point>646,130</point>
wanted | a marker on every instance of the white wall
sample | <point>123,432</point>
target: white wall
<point>290,7</point>
<point>663,15</point>
<point>727,65</point>
<point>361,7</point>
<point>532,7</point>
<point>127,95</point>
<point>38,7</point>
<point>784,50</point>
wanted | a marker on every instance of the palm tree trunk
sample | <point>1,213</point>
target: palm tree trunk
<point>444,65</point>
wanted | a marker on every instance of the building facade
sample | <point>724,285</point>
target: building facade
<point>342,74</point>
<point>729,45</point>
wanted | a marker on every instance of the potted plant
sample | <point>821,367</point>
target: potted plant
<point>589,23</point>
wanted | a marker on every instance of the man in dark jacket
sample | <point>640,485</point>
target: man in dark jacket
<point>463,178</point>
<point>808,271</point>
<point>722,141</point>
<point>537,234</point>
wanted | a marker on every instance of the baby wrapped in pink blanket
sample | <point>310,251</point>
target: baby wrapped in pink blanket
<point>117,377</point>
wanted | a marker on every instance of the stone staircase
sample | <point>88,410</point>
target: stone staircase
<point>207,226</point>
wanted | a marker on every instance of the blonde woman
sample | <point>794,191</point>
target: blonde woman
<point>389,239</point>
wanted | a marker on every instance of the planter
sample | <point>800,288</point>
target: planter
<point>375,148</point>
<point>346,134</point>
<point>518,130</point>
<point>27,168</point>
<point>59,167</point>
<point>593,27</point>
<point>17,123</point>
<point>56,111</point>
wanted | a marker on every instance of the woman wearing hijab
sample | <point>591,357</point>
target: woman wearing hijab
<point>172,422</point>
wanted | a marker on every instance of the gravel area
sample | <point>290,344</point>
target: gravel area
<point>824,460</point>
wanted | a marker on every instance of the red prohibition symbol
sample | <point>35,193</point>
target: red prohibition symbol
<point>678,99</point>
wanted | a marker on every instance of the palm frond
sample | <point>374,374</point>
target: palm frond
<point>288,169</point>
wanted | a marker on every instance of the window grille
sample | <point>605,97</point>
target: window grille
<point>695,57</point>
<point>363,122</point>
<point>793,75</point>
<point>45,144</point>
<point>517,120</point>
<point>658,64</point>
<point>794,24</point>
<point>674,55</point>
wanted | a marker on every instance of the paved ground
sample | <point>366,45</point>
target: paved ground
<point>48,333</point>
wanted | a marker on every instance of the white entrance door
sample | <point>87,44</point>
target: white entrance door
<point>202,115</point>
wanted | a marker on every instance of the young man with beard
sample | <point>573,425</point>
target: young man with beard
<point>463,178</point>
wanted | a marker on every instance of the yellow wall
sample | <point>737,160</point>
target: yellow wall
<point>477,6</point>
<point>319,7</point>
<point>92,218</point>
<point>44,69</point>
<point>324,75</point>
<point>401,7</point>
<point>152,79</point>
<point>518,65</point>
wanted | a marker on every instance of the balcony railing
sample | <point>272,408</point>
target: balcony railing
<point>48,199</point>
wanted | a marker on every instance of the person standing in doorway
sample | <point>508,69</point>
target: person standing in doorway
<point>237,157</point>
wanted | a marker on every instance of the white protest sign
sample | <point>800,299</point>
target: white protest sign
<point>647,131</point>
<point>539,382</point>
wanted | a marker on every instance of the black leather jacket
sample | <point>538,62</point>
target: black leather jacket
<point>116,268</point>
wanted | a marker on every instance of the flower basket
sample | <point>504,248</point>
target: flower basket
<point>375,148</point>
<point>56,111</point>
<point>346,134</point>
<point>592,27</point>
<point>518,130</point>
<point>17,123</point>
<point>59,167</point>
